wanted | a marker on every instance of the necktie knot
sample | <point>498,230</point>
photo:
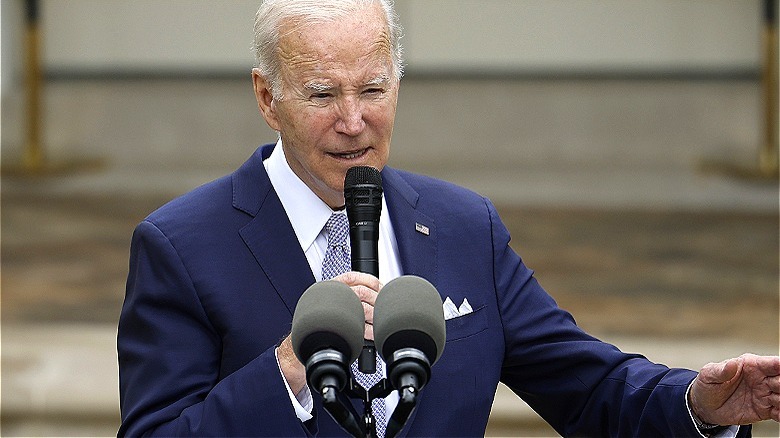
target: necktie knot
<point>338,229</point>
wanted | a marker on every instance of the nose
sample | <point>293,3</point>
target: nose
<point>350,117</point>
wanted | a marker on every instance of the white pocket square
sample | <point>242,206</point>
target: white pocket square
<point>452,311</point>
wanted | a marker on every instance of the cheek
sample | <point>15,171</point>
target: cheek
<point>381,123</point>
<point>384,113</point>
<point>314,124</point>
<point>305,130</point>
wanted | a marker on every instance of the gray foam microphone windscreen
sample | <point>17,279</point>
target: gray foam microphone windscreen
<point>328,315</point>
<point>408,313</point>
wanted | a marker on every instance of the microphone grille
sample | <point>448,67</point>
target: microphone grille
<point>330,315</point>
<point>359,175</point>
<point>408,313</point>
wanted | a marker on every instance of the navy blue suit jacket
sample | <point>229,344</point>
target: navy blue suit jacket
<point>215,276</point>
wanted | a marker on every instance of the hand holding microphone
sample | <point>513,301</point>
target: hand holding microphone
<point>366,287</point>
<point>327,335</point>
<point>333,316</point>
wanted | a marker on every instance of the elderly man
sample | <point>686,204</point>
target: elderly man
<point>215,276</point>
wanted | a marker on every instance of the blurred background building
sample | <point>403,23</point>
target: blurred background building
<point>624,142</point>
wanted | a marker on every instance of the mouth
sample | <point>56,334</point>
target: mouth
<point>351,155</point>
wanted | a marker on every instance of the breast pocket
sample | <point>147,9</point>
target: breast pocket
<point>467,325</point>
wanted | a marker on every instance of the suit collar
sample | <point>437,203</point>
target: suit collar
<point>251,184</point>
<point>269,235</point>
<point>415,232</point>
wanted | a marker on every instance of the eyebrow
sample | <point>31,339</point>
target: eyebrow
<point>319,87</point>
<point>379,80</point>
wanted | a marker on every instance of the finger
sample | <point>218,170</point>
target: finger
<point>769,365</point>
<point>774,384</point>
<point>774,400</point>
<point>353,278</point>
<point>368,310</point>
<point>773,407</point>
<point>368,331</point>
<point>366,295</point>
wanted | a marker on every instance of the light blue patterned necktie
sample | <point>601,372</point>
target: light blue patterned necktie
<point>337,261</point>
<point>337,256</point>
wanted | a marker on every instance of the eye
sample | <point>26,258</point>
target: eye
<point>374,91</point>
<point>321,98</point>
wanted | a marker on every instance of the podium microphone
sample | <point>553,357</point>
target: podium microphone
<point>410,334</point>
<point>327,336</point>
<point>363,201</point>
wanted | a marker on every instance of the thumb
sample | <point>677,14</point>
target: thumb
<point>711,388</point>
<point>717,373</point>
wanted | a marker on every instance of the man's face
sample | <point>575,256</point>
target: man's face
<point>339,99</point>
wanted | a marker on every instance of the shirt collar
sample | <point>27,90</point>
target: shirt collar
<point>306,211</point>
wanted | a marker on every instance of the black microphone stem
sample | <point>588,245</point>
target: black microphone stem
<point>339,412</point>
<point>406,404</point>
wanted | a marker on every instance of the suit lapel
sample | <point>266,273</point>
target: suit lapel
<point>416,236</point>
<point>269,235</point>
<point>415,232</point>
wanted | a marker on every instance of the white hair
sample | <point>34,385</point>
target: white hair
<point>273,13</point>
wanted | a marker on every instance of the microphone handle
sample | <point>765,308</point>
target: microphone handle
<point>367,358</point>
<point>368,266</point>
<point>364,237</point>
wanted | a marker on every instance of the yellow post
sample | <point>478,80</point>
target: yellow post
<point>33,159</point>
<point>768,157</point>
<point>768,149</point>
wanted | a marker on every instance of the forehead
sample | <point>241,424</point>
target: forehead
<point>358,44</point>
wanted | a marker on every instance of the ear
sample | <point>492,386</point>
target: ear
<point>265,99</point>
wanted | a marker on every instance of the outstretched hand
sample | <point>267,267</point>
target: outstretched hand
<point>742,390</point>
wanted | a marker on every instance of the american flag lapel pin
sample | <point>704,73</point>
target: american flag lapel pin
<point>420,228</point>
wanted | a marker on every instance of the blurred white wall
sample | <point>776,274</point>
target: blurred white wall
<point>11,19</point>
<point>441,35</point>
<point>622,123</point>
<point>582,35</point>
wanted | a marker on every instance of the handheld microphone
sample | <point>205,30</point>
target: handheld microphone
<point>363,201</point>
<point>410,334</point>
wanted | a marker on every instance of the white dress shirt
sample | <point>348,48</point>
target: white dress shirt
<point>308,215</point>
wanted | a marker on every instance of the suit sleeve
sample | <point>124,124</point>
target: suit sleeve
<point>169,359</point>
<point>578,384</point>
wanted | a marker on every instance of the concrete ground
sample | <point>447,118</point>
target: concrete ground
<point>645,249</point>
